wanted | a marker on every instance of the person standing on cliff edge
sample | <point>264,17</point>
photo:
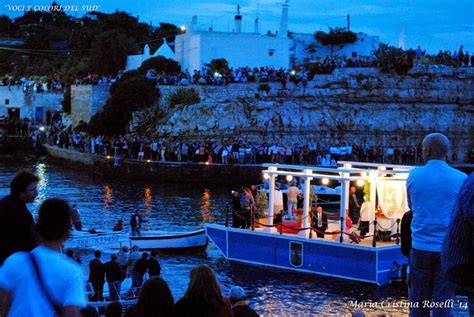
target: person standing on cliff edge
<point>16,221</point>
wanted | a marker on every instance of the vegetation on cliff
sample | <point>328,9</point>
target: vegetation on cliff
<point>132,92</point>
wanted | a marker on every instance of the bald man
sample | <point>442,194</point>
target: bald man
<point>432,192</point>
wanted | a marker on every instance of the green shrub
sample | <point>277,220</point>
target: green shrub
<point>183,96</point>
<point>393,60</point>
<point>161,64</point>
<point>218,65</point>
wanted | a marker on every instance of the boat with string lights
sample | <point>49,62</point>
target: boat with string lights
<point>368,252</point>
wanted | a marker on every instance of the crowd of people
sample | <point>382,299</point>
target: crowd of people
<point>33,84</point>
<point>236,152</point>
<point>205,76</point>
<point>36,279</point>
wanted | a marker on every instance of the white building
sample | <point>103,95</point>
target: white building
<point>14,102</point>
<point>197,47</point>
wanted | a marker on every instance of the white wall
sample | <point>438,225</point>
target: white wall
<point>27,103</point>
<point>363,46</point>
<point>239,49</point>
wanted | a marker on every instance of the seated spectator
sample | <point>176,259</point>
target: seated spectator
<point>155,300</point>
<point>44,282</point>
<point>240,308</point>
<point>118,226</point>
<point>203,296</point>
<point>114,309</point>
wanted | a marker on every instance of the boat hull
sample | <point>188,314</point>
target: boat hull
<point>360,263</point>
<point>196,240</point>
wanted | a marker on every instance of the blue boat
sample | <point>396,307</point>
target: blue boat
<point>376,259</point>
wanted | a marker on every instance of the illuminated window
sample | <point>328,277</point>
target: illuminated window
<point>296,253</point>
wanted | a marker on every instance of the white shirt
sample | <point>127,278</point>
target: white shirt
<point>277,198</point>
<point>62,277</point>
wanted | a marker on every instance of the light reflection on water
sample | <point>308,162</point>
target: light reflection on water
<point>186,206</point>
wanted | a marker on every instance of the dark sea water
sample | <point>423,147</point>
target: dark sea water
<point>188,206</point>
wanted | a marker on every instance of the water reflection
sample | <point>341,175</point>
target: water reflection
<point>41,172</point>
<point>148,198</point>
<point>206,206</point>
<point>107,196</point>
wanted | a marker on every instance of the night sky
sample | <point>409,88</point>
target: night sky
<point>433,24</point>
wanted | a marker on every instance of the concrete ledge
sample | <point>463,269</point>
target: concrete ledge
<point>158,171</point>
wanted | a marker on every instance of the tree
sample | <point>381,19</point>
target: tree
<point>218,65</point>
<point>335,37</point>
<point>109,52</point>
<point>132,92</point>
<point>166,31</point>
<point>161,64</point>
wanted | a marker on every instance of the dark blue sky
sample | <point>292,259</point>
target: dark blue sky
<point>433,24</point>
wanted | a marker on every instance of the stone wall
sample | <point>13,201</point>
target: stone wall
<point>87,100</point>
<point>352,105</point>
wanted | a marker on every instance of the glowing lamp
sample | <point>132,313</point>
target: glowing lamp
<point>182,28</point>
<point>289,178</point>
<point>266,176</point>
<point>148,161</point>
<point>42,128</point>
<point>325,181</point>
<point>360,182</point>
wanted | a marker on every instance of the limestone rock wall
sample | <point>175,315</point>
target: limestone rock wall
<point>353,105</point>
<point>87,100</point>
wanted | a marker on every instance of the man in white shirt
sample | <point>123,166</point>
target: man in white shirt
<point>293,192</point>
<point>55,287</point>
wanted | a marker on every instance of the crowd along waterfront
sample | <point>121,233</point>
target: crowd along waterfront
<point>103,202</point>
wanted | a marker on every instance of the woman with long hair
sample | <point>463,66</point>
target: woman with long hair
<point>154,300</point>
<point>203,298</point>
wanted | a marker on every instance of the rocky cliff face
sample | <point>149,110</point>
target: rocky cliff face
<point>351,105</point>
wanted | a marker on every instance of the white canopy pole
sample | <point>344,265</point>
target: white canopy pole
<point>373,191</point>
<point>271,200</point>
<point>306,204</point>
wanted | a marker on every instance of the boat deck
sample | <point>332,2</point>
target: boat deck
<point>367,242</point>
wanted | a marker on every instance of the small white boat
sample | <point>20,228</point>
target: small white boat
<point>95,238</point>
<point>170,240</point>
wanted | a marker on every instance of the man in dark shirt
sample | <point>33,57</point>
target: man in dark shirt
<point>154,268</point>
<point>354,206</point>
<point>114,276</point>
<point>96,276</point>
<point>16,222</point>
<point>141,266</point>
